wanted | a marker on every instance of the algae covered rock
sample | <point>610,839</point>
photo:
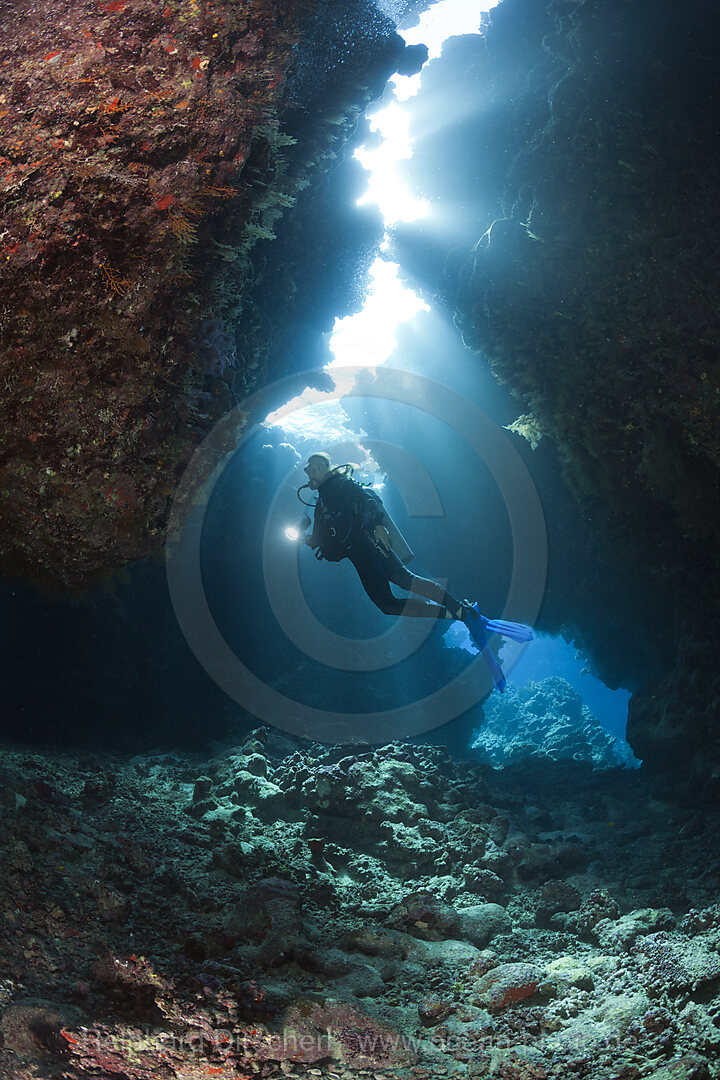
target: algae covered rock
<point>618,934</point>
<point>270,914</point>
<point>699,1029</point>
<point>258,792</point>
<point>556,898</point>
<point>481,880</point>
<point>480,923</point>
<point>387,789</point>
<point>570,971</point>
<point>376,941</point>
<point>595,909</point>
<point>423,915</point>
<point>601,1025</point>
<point>673,964</point>
<point>686,1067</point>
<point>313,1031</point>
<point>506,984</point>
<point>32,1028</point>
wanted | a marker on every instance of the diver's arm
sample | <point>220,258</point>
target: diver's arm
<point>371,510</point>
<point>368,505</point>
<point>310,538</point>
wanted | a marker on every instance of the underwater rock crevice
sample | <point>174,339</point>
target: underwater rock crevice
<point>584,167</point>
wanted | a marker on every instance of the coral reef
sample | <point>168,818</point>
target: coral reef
<point>127,126</point>
<point>546,718</point>
<point>164,919</point>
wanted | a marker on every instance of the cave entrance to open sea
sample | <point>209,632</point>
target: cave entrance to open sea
<point>466,541</point>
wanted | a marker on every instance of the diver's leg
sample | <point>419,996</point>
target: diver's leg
<point>426,587</point>
<point>377,586</point>
<point>434,591</point>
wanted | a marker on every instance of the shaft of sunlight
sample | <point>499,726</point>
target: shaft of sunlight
<point>449,18</point>
<point>368,338</point>
<point>384,188</point>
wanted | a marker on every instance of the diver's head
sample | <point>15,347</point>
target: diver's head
<point>317,468</point>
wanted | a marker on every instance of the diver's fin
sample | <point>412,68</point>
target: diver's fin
<point>480,627</point>
<point>514,630</point>
<point>477,624</point>
<point>495,670</point>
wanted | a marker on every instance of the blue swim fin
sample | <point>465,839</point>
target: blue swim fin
<point>514,630</point>
<point>477,625</point>
<point>480,627</point>
<point>495,670</point>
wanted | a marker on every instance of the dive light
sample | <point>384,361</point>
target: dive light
<point>294,532</point>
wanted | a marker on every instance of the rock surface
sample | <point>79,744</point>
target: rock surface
<point>147,163</point>
<point>149,934</point>
<point>583,263</point>
<point>546,717</point>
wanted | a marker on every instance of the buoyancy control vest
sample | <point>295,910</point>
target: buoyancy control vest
<point>345,514</point>
<point>343,510</point>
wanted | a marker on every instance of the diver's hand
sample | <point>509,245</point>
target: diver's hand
<point>382,535</point>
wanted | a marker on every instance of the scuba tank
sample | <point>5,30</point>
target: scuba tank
<point>397,541</point>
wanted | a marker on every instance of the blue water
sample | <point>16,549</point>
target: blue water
<point>554,656</point>
<point>547,655</point>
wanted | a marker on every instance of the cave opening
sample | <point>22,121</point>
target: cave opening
<point>398,327</point>
<point>251,824</point>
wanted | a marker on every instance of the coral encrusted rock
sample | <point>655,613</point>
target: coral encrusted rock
<point>144,157</point>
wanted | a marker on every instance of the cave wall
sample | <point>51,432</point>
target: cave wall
<point>149,156</point>
<point>578,153</point>
<point>93,653</point>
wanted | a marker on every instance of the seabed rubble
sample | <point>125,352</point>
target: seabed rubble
<point>288,909</point>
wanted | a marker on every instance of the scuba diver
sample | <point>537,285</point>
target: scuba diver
<point>351,522</point>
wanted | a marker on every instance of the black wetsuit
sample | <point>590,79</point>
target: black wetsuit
<point>345,519</point>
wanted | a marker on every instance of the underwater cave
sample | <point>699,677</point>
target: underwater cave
<point>359,461</point>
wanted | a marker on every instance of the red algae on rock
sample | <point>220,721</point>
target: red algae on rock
<point>506,984</point>
<point>130,131</point>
